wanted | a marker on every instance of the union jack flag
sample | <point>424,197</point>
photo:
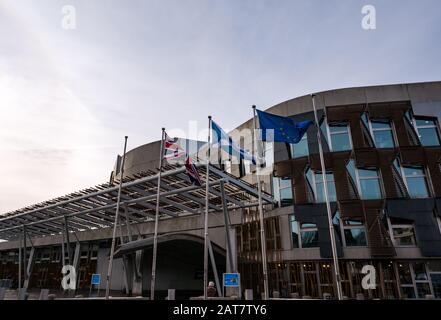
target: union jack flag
<point>174,153</point>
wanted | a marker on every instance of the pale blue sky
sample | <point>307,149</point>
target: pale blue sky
<point>67,97</point>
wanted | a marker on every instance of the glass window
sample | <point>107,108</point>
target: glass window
<point>423,289</point>
<point>294,232</point>
<point>436,284</point>
<point>300,149</point>
<point>416,181</point>
<point>420,271</point>
<point>369,184</point>
<point>383,134</point>
<point>315,181</point>
<point>320,193</point>
<point>402,231</point>
<point>282,191</point>
<point>339,136</point>
<point>427,132</point>
<point>304,235</point>
<point>309,235</point>
<point>355,237</point>
<point>354,233</point>
<point>367,181</point>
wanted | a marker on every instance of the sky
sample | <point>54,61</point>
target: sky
<point>69,96</point>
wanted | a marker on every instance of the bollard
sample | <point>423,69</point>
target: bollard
<point>294,295</point>
<point>171,294</point>
<point>248,294</point>
<point>327,296</point>
<point>359,296</point>
<point>22,294</point>
<point>44,294</point>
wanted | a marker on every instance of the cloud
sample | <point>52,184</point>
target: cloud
<point>67,98</point>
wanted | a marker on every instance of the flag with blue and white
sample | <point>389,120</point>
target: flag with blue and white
<point>223,141</point>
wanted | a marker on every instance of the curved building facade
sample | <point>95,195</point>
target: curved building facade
<point>382,156</point>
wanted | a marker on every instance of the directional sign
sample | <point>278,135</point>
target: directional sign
<point>96,278</point>
<point>231,279</point>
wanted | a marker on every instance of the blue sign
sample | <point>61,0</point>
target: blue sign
<point>231,279</point>
<point>96,278</point>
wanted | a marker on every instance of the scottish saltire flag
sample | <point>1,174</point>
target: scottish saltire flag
<point>174,152</point>
<point>223,140</point>
<point>281,129</point>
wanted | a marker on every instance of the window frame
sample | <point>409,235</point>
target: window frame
<point>308,229</point>
<point>293,147</point>
<point>401,226</point>
<point>329,134</point>
<point>379,178</point>
<point>425,176</point>
<point>314,184</point>
<point>344,227</point>
<point>299,232</point>
<point>434,126</point>
<point>278,188</point>
<point>373,130</point>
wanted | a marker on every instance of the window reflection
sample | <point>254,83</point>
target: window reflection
<point>339,136</point>
<point>416,181</point>
<point>309,235</point>
<point>427,132</point>
<point>300,149</point>
<point>367,181</point>
<point>402,232</point>
<point>383,134</point>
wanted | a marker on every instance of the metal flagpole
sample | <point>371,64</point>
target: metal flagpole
<point>328,205</point>
<point>262,225</point>
<point>155,237</point>
<point>207,190</point>
<point>112,248</point>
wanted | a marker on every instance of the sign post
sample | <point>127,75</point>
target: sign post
<point>95,280</point>
<point>232,280</point>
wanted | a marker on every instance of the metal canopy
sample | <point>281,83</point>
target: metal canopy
<point>94,208</point>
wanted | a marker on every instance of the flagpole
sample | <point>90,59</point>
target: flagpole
<point>207,190</point>
<point>262,225</point>
<point>155,237</point>
<point>328,205</point>
<point>112,248</point>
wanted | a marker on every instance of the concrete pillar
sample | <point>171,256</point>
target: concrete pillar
<point>137,276</point>
<point>75,261</point>
<point>29,267</point>
<point>44,294</point>
<point>171,294</point>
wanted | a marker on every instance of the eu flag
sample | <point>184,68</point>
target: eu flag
<point>283,129</point>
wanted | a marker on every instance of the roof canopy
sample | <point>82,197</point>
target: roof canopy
<point>94,208</point>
